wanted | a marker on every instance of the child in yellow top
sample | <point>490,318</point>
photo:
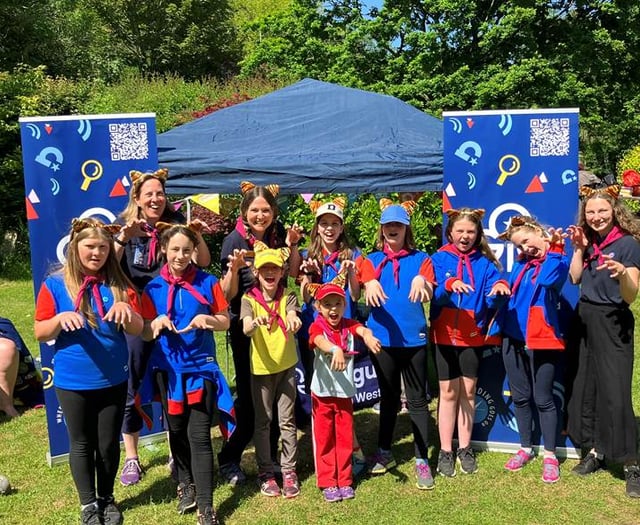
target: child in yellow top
<point>270,318</point>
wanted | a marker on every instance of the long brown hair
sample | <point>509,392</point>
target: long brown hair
<point>622,217</point>
<point>252,194</point>
<point>315,251</point>
<point>475,216</point>
<point>73,271</point>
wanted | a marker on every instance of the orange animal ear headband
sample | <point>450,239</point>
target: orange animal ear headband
<point>517,221</point>
<point>138,177</point>
<point>246,186</point>
<point>339,280</point>
<point>409,206</point>
<point>454,214</point>
<point>613,191</point>
<point>77,225</point>
<point>340,202</point>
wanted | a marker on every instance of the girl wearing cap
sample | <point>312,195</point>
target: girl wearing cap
<point>269,317</point>
<point>329,254</point>
<point>182,307</point>
<point>531,324</point>
<point>257,222</point>
<point>606,262</point>
<point>468,277</point>
<point>332,388</point>
<point>137,247</point>
<point>398,279</point>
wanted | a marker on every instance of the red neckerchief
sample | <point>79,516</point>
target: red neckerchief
<point>154,241</point>
<point>342,332</point>
<point>393,257</point>
<point>251,238</point>
<point>183,281</point>
<point>92,284</point>
<point>614,234</point>
<point>330,260</point>
<point>273,313</point>
<point>531,263</point>
<point>463,261</point>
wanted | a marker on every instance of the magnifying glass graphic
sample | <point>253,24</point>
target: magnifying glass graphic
<point>91,170</point>
<point>512,170</point>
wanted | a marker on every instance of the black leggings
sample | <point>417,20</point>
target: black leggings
<point>411,364</point>
<point>190,441</point>
<point>93,419</point>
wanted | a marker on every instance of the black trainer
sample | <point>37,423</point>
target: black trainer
<point>208,517</point>
<point>91,516</point>
<point>186,497</point>
<point>632,476</point>
<point>111,514</point>
<point>588,465</point>
<point>467,460</point>
<point>446,464</point>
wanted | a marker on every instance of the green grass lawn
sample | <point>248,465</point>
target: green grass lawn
<point>46,495</point>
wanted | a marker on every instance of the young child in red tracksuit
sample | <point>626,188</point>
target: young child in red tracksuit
<point>531,326</point>
<point>332,387</point>
<point>469,287</point>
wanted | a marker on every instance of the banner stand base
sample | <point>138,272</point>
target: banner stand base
<point>148,439</point>
<point>501,446</point>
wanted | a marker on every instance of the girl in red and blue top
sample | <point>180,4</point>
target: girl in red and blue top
<point>398,279</point>
<point>86,308</point>
<point>533,336</point>
<point>181,308</point>
<point>469,282</point>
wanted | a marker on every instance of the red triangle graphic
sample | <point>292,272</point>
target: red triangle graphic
<point>31,211</point>
<point>118,190</point>
<point>446,204</point>
<point>535,186</point>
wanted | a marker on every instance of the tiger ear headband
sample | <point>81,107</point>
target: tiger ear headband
<point>612,191</point>
<point>516,222</point>
<point>453,215</point>
<point>77,225</point>
<point>336,205</point>
<point>138,177</point>
<point>246,187</point>
<point>339,280</point>
<point>409,206</point>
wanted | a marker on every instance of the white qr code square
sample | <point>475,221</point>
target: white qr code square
<point>129,141</point>
<point>549,137</point>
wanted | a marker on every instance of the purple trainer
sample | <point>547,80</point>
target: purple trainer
<point>332,494</point>
<point>347,492</point>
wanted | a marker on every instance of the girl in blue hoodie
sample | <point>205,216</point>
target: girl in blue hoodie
<point>469,283</point>
<point>533,337</point>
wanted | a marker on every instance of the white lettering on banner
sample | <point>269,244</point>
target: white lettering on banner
<point>485,408</point>
<point>361,374</point>
<point>495,227</point>
<point>361,397</point>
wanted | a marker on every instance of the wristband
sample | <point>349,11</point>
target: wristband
<point>333,349</point>
<point>118,241</point>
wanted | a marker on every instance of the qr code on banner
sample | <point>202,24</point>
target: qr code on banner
<point>129,141</point>
<point>549,137</point>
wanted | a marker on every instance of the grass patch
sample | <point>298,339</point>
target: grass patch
<point>46,495</point>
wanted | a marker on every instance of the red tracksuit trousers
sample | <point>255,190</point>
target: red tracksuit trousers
<point>332,440</point>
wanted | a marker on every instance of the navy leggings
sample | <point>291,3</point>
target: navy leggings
<point>93,419</point>
<point>531,374</point>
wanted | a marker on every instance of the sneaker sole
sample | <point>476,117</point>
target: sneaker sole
<point>383,470</point>
<point>446,475</point>
<point>424,487</point>
<point>291,496</point>
<point>188,509</point>
<point>551,481</point>
<point>459,463</point>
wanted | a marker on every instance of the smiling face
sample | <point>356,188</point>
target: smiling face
<point>394,234</point>
<point>464,234</point>
<point>332,309</point>
<point>178,251</point>
<point>269,276</point>
<point>530,242</point>
<point>259,216</point>
<point>598,214</point>
<point>330,228</point>
<point>92,254</point>
<point>151,200</point>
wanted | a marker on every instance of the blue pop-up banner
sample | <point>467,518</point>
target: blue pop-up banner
<point>76,166</point>
<point>516,162</point>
